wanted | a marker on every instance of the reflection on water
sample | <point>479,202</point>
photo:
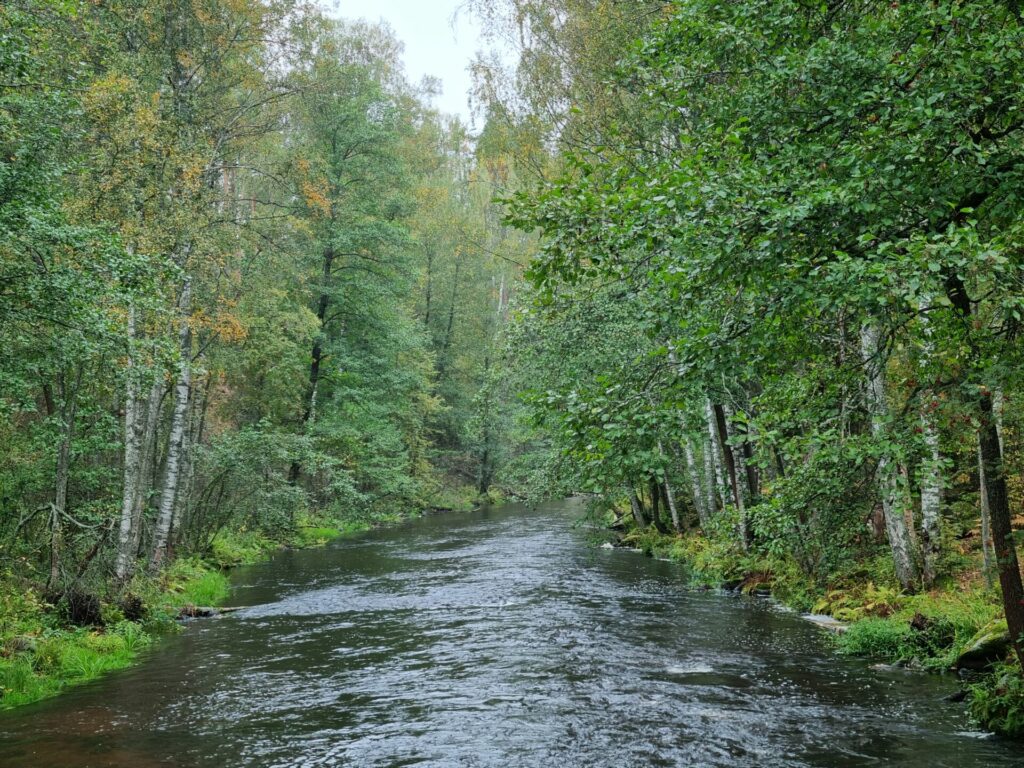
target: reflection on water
<point>494,639</point>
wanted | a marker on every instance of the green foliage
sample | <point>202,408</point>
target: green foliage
<point>878,638</point>
<point>931,630</point>
<point>997,702</point>
<point>191,582</point>
<point>230,548</point>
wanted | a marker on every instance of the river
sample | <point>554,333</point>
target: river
<point>498,638</point>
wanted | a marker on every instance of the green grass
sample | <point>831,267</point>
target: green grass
<point>58,659</point>
<point>313,535</point>
<point>231,548</point>
<point>191,581</point>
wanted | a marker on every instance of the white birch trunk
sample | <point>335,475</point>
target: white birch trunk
<point>172,472</point>
<point>697,487</point>
<point>931,477</point>
<point>146,473</point>
<point>931,500</point>
<point>742,485</point>
<point>126,553</point>
<point>710,487</point>
<point>894,501</point>
<point>718,471</point>
<point>670,496</point>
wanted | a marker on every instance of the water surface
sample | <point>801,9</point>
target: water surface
<point>501,638</point>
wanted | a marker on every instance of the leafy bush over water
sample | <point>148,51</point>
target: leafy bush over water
<point>997,702</point>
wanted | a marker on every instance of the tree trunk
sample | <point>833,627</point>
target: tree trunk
<point>68,410</point>
<point>132,462</point>
<point>147,473</point>
<point>931,501</point>
<point>716,453</point>
<point>986,526</point>
<point>175,441</point>
<point>1001,523</point>
<point>670,502</point>
<point>699,501</point>
<point>736,471</point>
<point>931,469</point>
<point>894,502</point>
<point>655,493</point>
<point>637,508</point>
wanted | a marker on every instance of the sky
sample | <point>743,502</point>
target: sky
<point>432,45</point>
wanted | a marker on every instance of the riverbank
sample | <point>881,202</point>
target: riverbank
<point>47,647</point>
<point>49,644</point>
<point>956,627</point>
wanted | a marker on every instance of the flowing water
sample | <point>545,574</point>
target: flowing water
<point>501,638</point>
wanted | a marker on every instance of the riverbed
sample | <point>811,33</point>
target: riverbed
<point>497,638</point>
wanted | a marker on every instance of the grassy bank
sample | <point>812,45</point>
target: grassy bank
<point>43,652</point>
<point>957,626</point>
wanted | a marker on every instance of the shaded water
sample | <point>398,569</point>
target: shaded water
<point>495,639</point>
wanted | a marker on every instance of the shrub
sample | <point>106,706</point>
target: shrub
<point>997,702</point>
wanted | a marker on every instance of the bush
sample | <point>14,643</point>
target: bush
<point>997,702</point>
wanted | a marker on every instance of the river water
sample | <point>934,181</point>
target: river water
<point>499,638</point>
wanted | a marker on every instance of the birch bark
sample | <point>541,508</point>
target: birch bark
<point>894,501</point>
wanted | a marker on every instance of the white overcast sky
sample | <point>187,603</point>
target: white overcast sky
<point>432,45</point>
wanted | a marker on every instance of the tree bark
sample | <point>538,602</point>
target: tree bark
<point>124,563</point>
<point>637,508</point>
<point>734,467</point>
<point>716,453</point>
<point>987,557</point>
<point>699,501</point>
<point>654,492</point>
<point>673,508</point>
<point>931,470</point>
<point>931,501</point>
<point>175,441</point>
<point>147,473</point>
<point>894,502</point>
<point>68,411</point>
<point>1007,564</point>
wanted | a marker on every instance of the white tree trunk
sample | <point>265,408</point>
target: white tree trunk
<point>742,486</point>
<point>172,471</point>
<point>710,483</point>
<point>931,500</point>
<point>132,437</point>
<point>931,476</point>
<point>716,448</point>
<point>146,472</point>
<point>894,501</point>
<point>697,487</point>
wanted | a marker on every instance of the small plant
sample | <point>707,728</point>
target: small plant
<point>853,605</point>
<point>879,638</point>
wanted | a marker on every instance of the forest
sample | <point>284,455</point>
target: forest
<point>748,276</point>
